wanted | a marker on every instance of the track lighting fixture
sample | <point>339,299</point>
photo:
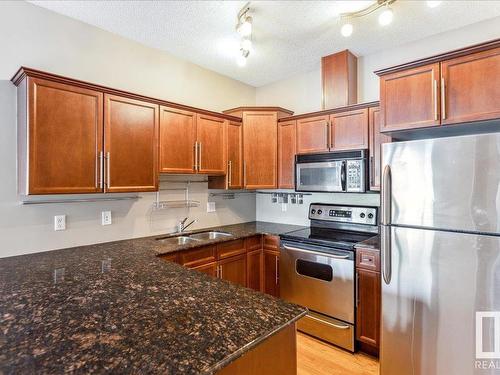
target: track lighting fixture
<point>244,28</point>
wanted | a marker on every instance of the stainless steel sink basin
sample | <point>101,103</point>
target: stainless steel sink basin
<point>179,240</point>
<point>212,235</point>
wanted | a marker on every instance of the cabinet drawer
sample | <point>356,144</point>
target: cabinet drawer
<point>368,259</point>
<point>271,242</point>
<point>231,248</point>
<point>172,257</point>
<point>197,256</point>
<point>254,243</point>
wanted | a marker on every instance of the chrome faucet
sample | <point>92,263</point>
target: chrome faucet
<point>182,226</point>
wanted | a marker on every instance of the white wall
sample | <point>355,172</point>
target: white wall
<point>37,38</point>
<point>302,93</point>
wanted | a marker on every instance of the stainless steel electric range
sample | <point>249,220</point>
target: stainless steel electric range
<point>317,269</point>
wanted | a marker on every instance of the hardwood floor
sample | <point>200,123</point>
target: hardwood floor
<point>315,357</point>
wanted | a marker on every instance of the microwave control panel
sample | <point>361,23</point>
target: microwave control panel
<point>355,176</point>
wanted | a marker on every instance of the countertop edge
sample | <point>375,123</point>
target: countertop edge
<point>237,354</point>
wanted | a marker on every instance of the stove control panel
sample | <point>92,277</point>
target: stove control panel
<point>343,214</point>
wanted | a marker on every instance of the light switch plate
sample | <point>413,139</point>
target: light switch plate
<point>106,218</point>
<point>60,222</point>
<point>210,206</point>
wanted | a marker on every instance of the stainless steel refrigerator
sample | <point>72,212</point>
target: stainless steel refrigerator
<point>440,247</point>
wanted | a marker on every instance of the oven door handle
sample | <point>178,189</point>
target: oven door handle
<point>317,252</point>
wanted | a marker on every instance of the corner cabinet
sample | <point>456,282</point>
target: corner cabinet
<point>461,86</point>
<point>73,139</point>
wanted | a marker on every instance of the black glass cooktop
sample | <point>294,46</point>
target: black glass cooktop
<point>328,237</point>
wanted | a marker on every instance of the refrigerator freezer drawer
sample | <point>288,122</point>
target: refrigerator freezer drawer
<point>328,329</point>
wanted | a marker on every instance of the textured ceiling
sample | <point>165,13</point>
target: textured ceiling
<point>289,36</point>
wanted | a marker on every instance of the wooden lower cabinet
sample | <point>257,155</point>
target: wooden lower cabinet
<point>234,269</point>
<point>210,269</point>
<point>368,299</point>
<point>254,270</point>
<point>271,273</point>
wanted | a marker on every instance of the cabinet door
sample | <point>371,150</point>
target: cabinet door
<point>210,137</point>
<point>209,269</point>
<point>271,273</point>
<point>368,311</point>
<point>287,141</point>
<point>177,140</point>
<point>376,140</point>
<point>470,87</point>
<point>410,99</point>
<point>313,134</point>
<point>254,270</point>
<point>349,130</point>
<point>131,144</point>
<point>65,131</point>
<point>260,149</point>
<point>235,155</point>
<point>234,269</point>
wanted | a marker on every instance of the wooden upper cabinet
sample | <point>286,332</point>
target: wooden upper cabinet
<point>177,140</point>
<point>210,138</point>
<point>349,130</point>
<point>339,79</point>
<point>260,144</point>
<point>61,140</point>
<point>235,155</point>
<point>313,134</point>
<point>131,144</point>
<point>470,87</point>
<point>376,139</point>
<point>410,98</point>
<point>287,140</point>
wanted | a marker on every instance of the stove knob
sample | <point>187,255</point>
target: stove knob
<point>362,215</point>
<point>370,216</point>
<point>313,211</point>
<point>320,212</point>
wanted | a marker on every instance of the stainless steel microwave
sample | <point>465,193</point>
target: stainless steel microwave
<point>341,171</point>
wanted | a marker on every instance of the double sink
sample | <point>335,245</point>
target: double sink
<point>195,237</point>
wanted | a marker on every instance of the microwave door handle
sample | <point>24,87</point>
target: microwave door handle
<point>343,175</point>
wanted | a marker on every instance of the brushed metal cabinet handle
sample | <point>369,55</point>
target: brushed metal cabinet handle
<point>372,172</point>
<point>443,99</point>
<point>230,173</point>
<point>199,156</point>
<point>328,131</point>
<point>195,167</point>
<point>244,174</point>
<point>108,169</point>
<point>97,170</point>
<point>220,272</point>
<point>101,170</point>
<point>276,269</point>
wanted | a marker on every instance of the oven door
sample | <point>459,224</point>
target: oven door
<point>320,280</point>
<point>320,176</point>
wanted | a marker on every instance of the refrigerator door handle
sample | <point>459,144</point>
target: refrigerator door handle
<point>385,242</point>
<point>386,196</point>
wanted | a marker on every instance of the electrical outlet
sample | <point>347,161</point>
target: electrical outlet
<point>106,218</point>
<point>60,222</point>
<point>210,206</point>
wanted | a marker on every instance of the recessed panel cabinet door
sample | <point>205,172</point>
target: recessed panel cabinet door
<point>470,87</point>
<point>312,135</point>
<point>349,130</point>
<point>210,137</point>
<point>254,269</point>
<point>65,131</point>
<point>177,140</point>
<point>410,99</point>
<point>260,143</point>
<point>234,269</point>
<point>287,141</point>
<point>271,273</point>
<point>368,312</point>
<point>131,144</point>
<point>376,140</point>
<point>235,155</point>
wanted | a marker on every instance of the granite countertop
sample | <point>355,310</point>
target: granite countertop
<point>370,243</point>
<point>117,307</point>
<point>236,230</point>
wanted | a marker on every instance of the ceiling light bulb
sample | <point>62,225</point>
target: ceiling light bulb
<point>346,30</point>
<point>246,44</point>
<point>241,61</point>
<point>245,27</point>
<point>385,18</point>
<point>433,4</point>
